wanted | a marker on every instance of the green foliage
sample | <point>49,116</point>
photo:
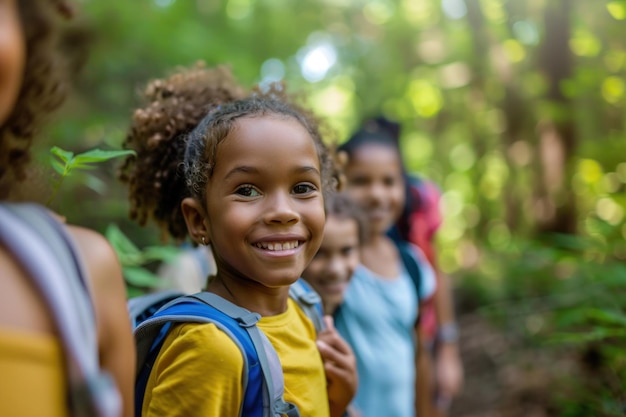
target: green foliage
<point>132,259</point>
<point>563,293</point>
<point>135,261</point>
<point>65,162</point>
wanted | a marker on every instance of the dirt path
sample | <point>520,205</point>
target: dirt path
<point>504,377</point>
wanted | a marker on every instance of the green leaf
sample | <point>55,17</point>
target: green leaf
<point>57,166</point>
<point>607,317</point>
<point>81,166</point>
<point>141,277</point>
<point>123,246</point>
<point>99,155</point>
<point>65,156</point>
<point>160,253</point>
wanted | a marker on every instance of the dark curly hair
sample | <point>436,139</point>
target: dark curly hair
<point>177,134</point>
<point>43,89</point>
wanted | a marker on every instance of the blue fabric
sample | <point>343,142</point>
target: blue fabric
<point>377,319</point>
<point>253,397</point>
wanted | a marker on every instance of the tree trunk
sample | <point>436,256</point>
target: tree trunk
<point>555,203</point>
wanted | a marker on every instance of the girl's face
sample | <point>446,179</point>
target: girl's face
<point>12,56</point>
<point>375,181</point>
<point>334,263</point>
<point>265,210</point>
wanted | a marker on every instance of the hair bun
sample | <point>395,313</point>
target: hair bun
<point>382,124</point>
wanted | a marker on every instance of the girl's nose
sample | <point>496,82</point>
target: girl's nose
<point>281,209</point>
<point>334,267</point>
<point>376,192</point>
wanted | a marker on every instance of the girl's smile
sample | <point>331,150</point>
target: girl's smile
<point>280,246</point>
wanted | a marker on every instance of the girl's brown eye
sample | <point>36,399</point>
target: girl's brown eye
<point>358,181</point>
<point>247,191</point>
<point>303,188</point>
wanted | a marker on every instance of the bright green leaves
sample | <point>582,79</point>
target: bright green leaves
<point>134,260</point>
<point>64,162</point>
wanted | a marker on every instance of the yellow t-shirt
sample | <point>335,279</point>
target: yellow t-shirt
<point>199,369</point>
<point>32,375</point>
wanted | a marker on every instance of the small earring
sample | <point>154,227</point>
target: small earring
<point>203,242</point>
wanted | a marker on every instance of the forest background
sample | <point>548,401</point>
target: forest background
<point>514,107</point>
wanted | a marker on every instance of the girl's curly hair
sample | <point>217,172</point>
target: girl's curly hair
<point>43,89</point>
<point>177,133</point>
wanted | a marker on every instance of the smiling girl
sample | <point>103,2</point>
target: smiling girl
<point>330,271</point>
<point>379,314</point>
<point>245,173</point>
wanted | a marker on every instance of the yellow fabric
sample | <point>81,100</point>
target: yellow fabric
<point>293,336</point>
<point>199,369</point>
<point>32,375</point>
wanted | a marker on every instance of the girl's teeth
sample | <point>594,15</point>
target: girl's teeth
<point>278,246</point>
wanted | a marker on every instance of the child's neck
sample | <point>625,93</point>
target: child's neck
<point>380,256</point>
<point>251,295</point>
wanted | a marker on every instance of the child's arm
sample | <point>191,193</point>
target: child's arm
<point>340,367</point>
<point>448,367</point>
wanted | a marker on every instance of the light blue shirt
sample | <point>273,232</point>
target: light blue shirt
<point>377,319</point>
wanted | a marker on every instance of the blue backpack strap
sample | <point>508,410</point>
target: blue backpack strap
<point>262,380</point>
<point>408,259</point>
<point>48,255</point>
<point>309,301</point>
<point>411,265</point>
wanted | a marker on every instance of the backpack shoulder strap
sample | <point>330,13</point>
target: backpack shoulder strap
<point>411,265</point>
<point>240,325</point>
<point>267,356</point>
<point>309,301</point>
<point>30,233</point>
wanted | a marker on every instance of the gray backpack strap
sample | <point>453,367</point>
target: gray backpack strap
<point>48,255</point>
<point>274,405</point>
<point>309,301</point>
<point>138,306</point>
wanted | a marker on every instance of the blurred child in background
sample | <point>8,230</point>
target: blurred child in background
<point>379,313</point>
<point>36,376</point>
<point>331,269</point>
<point>440,371</point>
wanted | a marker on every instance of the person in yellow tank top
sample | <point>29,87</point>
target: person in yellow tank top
<point>33,376</point>
<point>246,173</point>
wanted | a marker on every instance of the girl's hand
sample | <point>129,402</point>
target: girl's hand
<point>448,375</point>
<point>340,367</point>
